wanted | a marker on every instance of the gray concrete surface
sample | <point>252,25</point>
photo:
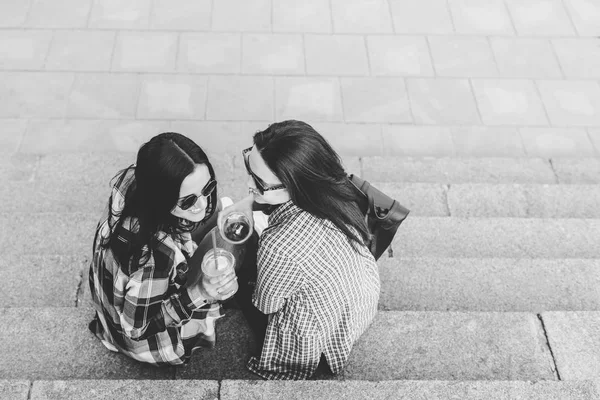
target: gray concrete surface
<point>574,341</point>
<point>452,346</point>
<point>55,343</point>
<point>410,390</point>
<point>577,170</point>
<point>14,389</point>
<point>497,237</point>
<point>457,170</point>
<point>489,284</point>
<point>124,389</point>
<point>41,281</point>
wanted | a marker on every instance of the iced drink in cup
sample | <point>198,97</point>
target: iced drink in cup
<point>218,262</point>
<point>237,227</point>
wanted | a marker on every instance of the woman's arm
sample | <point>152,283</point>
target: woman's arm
<point>278,279</point>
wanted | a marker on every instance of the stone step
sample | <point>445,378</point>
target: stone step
<point>99,167</point>
<point>407,284</point>
<point>72,235</point>
<point>497,238</point>
<point>423,199</point>
<point>398,346</point>
<point>298,390</point>
<point>489,284</point>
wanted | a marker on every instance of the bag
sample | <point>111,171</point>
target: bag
<point>382,214</point>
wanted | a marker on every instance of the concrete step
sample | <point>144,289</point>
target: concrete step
<point>316,390</point>
<point>407,284</point>
<point>497,238</point>
<point>489,284</point>
<point>72,235</point>
<point>398,346</point>
<point>423,199</point>
<point>99,167</point>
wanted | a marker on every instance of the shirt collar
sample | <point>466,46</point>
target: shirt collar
<point>284,211</point>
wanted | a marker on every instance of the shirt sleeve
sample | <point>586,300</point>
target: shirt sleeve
<point>146,300</point>
<point>278,279</point>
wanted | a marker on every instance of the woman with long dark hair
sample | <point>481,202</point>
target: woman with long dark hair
<point>146,307</point>
<point>317,282</point>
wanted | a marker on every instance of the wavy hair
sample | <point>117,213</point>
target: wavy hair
<point>313,174</point>
<point>162,165</point>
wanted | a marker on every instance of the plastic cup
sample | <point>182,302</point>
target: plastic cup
<point>219,262</point>
<point>237,228</point>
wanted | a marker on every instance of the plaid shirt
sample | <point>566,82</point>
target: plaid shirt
<point>320,292</point>
<point>131,307</point>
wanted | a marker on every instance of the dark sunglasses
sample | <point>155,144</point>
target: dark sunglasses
<point>186,202</point>
<point>261,186</point>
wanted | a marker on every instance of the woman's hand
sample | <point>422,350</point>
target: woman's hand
<point>243,206</point>
<point>218,288</point>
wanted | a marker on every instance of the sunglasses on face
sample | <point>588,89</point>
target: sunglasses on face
<point>186,202</point>
<point>261,186</point>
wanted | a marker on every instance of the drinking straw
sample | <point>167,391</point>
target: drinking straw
<point>214,242</point>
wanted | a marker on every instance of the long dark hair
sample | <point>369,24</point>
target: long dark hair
<point>162,165</point>
<point>313,174</point>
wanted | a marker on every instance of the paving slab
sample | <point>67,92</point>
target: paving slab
<point>399,55</point>
<point>172,97</point>
<point>409,390</point>
<point>352,139</point>
<point>525,58</point>
<point>59,345</point>
<point>572,102</point>
<point>143,51</point>
<point>483,141</point>
<point>481,17</point>
<point>308,99</point>
<point>12,134</point>
<point>24,49</point>
<point>428,16</point>
<point>42,281</point>
<point>452,346</point>
<point>579,58</point>
<point>242,16</point>
<point>124,389</point>
<point>509,102</point>
<point>181,15</point>
<point>442,101</point>
<point>59,14</point>
<point>14,390</point>
<point>462,56</point>
<point>375,100</point>
<point>573,337</point>
<point>540,18</point>
<point>104,96</point>
<point>524,200</point>
<point>240,98</point>
<point>489,284</point>
<point>361,16</point>
<point>311,16</point>
<point>111,14</point>
<point>462,170</point>
<point>585,15</point>
<point>207,52</point>
<point>18,167</point>
<point>414,141</point>
<point>13,13</point>
<point>557,142</point>
<point>497,237</point>
<point>34,94</point>
<point>81,51</point>
<point>577,170</point>
<point>273,54</point>
<point>336,55</point>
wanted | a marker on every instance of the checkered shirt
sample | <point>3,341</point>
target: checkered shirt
<point>320,293</point>
<point>131,307</point>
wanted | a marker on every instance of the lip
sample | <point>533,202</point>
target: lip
<point>196,210</point>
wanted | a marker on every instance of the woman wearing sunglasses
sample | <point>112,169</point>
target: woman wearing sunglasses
<point>317,284</point>
<point>146,307</point>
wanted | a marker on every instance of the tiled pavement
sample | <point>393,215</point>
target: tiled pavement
<point>433,77</point>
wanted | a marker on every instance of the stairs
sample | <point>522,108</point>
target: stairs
<point>491,290</point>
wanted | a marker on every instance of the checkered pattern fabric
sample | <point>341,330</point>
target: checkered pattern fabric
<point>131,307</point>
<point>320,293</point>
